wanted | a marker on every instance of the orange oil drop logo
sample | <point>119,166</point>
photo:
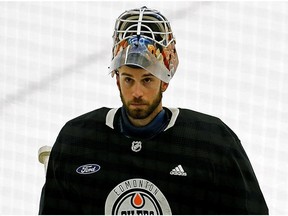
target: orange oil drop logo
<point>137,200</point>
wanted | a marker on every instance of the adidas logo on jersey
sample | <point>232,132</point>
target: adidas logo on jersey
<point>178,171</point>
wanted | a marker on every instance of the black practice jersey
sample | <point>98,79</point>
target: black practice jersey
<point>197,165</point>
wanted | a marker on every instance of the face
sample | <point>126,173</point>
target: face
<point>141,93</point>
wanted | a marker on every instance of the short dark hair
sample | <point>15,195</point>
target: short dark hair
<point>133,66</point>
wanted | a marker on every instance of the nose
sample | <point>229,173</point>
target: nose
<point>137,91</point>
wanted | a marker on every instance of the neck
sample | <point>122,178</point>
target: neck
<point>147,120</point>
<point>156,126</point>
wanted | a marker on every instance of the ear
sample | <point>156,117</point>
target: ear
<point>164,86</point>
<point>118,81</point>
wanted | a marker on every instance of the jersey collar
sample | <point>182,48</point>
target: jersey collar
<point>112,112</point>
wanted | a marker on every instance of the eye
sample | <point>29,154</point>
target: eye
<point>147,80</point>
<point>128,80</point>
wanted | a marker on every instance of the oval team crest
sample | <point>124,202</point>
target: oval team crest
<point>136,197</point>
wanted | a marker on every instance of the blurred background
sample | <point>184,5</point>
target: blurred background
<point>54,66</point>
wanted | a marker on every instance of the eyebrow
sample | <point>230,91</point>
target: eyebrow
<point>130,75</point>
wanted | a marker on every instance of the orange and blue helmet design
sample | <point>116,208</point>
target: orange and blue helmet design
<point>143,38</point>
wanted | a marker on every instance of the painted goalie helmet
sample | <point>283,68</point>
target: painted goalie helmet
<point>143,38</point>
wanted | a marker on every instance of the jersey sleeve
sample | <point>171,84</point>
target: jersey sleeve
<point>238,186</point>
<point>61,193</point>
<point>57,197</point>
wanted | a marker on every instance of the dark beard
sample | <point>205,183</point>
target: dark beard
<point>141,113</point>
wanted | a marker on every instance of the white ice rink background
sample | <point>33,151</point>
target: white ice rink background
<point>53,67</point>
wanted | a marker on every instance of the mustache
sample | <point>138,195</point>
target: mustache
<point>137,101</point>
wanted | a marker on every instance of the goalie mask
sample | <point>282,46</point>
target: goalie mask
<point>143,38</point>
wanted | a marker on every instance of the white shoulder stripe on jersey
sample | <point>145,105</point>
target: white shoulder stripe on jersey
<point>110,117</point>
<point>111,114</point>
<point>175,113</point>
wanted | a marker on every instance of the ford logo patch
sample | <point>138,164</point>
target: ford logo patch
<point>88,169</point>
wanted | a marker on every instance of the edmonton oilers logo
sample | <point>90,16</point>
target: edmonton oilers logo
<point>136,197</point>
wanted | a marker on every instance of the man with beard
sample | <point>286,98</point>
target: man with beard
<point>143,158</point>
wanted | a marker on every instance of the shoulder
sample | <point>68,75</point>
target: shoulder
<point>97,115</point>
<point>206,126</point>
<point>93,120</point>
<point>82,131</point>
<point>187,115</point>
